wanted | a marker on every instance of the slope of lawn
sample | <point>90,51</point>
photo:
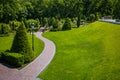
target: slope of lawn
<point>87,53</point>
<point>6,42</point>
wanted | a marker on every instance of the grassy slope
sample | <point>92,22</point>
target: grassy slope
<point>87,53</point>
<point>6,42</point>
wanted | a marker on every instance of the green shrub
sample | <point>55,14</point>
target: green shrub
<point>14,24</point>
<point>36,22</point>
<point>44,21</point>
<point>4,29</point>
<point>67,25</point>
<point>50,21</point>
<point>13,59</point>
<point>54,23</point>
<point>92,17</point>
<point>21,44</point>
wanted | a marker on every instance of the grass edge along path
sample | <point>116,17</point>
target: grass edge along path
<point>87,53</point>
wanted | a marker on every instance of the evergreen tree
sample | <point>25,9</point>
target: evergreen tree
<point>67,25</point>
<point>21,44</point>
<point>78,9</point>
<point>116,10</point>
<point>106,7</point>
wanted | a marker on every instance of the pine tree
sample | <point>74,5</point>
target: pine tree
<point>21,44</point>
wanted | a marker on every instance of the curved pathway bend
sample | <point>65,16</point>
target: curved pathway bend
<point>32,70</point>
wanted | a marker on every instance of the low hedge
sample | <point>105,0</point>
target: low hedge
<point>13,59</point>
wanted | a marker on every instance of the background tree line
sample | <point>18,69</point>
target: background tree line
<point>82,9</point>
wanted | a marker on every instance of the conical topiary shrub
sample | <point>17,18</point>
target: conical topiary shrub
<point>21,44</point>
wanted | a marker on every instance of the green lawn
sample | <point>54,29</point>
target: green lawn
<point>87,53</point>
<point>6,42</point>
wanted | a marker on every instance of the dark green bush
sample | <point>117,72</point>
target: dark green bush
<point>54,24</point>
<point>4,29</point>
<point>44,21</point>
<point>92,17</point>
<point>21,44</point>
<point>28,22</point>
<point>14,24</point>
<point>67,25</point>
<point>13,59</point>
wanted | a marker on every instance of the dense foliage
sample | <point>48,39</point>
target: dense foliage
<point>4,29</point>
<point>32,9</point>
<point>67,25</point>
<point>21,44</point>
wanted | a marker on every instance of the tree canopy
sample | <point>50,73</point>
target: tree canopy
<point>32,9</point>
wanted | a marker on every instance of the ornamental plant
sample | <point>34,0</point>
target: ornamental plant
<point>21,44</point>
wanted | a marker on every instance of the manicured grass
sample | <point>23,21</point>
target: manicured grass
<point>6,42</point>
<point>38,45</point>
<point>87,53</point>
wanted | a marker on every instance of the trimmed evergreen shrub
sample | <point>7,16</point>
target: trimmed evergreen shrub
<point>4,29</point>
<point>14,24</point>
<point>67,25</point>
<point>21,44</point>
<point>13,59</point>
<point>45,21</point>
<point>92,17</point>
<point>54,24</point>
<point>28,22</point>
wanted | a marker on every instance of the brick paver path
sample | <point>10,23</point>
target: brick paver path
<point>31,71</point>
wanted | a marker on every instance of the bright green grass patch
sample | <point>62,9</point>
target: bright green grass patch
<point>6,42</point>
<point>87,53</point>
<point>38,45</point>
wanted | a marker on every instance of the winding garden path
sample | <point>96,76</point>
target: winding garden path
<point>31,71</point>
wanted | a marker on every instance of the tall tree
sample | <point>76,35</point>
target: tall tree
<point>79,9</point>
<point>116,11</point>
<point>106,7</point>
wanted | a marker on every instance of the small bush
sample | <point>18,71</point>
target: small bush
<point>28,22</point>
<point>44,21</point>
<point>4,29</point>
<point>67,25</point>
<point>92,17</point>
<point>14,24</point>
<point>13,59</point>
<point>54,24</point>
